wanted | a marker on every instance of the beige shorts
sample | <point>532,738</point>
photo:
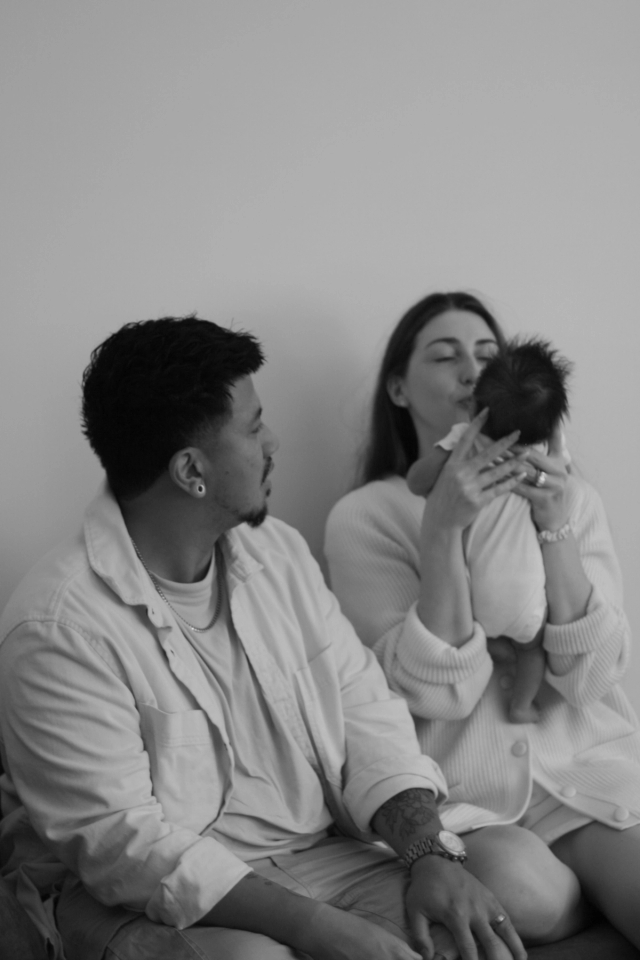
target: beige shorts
<point>365,879</point>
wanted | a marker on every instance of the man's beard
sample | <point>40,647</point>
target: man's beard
<point>255,517</point>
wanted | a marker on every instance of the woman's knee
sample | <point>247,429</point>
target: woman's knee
<point>222,943</point>
<point>541,895</point>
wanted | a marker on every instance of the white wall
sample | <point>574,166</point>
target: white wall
<point>307,170</point>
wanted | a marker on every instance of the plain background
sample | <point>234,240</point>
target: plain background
<point>307,170</point>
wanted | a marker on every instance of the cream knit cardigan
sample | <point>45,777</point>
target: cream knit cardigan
<point>586,748</point>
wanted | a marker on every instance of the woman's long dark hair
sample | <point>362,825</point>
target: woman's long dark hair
<point>393,445</point>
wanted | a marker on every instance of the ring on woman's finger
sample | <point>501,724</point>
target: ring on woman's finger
<point>540,478</point>
<point>497,920</point>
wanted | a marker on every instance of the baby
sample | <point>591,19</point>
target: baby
<point>524,388</point>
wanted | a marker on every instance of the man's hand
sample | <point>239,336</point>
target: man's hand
<point>444,892</point>
<point>335,934</point>
<point>317,930</point>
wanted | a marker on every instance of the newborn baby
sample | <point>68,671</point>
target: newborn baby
<point>524,388</point>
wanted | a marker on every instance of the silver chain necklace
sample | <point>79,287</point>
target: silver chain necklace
<point>219,584</point>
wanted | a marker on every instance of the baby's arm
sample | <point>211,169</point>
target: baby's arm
<point>424,472</point>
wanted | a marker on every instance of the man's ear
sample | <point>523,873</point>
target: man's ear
<point>186,469</point>
<point>395,389</point>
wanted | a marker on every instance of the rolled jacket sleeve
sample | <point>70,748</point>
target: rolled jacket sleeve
<point>382,756</point>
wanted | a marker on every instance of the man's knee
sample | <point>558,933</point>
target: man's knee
<point>144,940</point>
<point>541,895</point>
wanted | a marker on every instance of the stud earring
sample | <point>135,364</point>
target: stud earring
<point>201,489</point>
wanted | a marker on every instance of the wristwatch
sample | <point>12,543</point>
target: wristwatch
<point>443,844</point>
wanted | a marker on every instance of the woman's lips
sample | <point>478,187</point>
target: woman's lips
<point>465,403</point>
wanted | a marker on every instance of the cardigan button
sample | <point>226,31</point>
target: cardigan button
<point>621,814</point>
<point>568,791</point>
<point>519,748</point>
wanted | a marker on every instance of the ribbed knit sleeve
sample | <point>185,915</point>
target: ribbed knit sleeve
<point>372,551</point>
<point>589,656</point>
<point>585,753</point>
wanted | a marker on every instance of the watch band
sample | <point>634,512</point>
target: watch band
<point>433,845</point>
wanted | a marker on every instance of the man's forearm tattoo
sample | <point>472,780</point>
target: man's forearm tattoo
<point>408,810</point>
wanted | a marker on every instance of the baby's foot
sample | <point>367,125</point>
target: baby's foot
<point>524,713</point>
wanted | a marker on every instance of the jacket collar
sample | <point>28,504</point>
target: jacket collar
<point>112,556</point>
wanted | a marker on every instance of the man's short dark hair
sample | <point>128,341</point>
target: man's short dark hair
<point>152,387</point>
<point>524,387</point>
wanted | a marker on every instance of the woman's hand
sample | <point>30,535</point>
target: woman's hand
<point>466,483</point>
<point>567,587</point>
<point>469,480</point>
<point>550,500</point>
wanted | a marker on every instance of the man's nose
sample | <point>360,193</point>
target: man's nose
<point>270,442</point>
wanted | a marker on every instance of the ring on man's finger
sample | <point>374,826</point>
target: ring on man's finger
<point>540,478</point>
<point>498,920</point>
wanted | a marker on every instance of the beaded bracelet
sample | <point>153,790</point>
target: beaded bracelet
<point>552,536</point>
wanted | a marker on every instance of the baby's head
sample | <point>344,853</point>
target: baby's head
<point>524,387</point>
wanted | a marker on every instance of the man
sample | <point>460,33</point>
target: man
<point>190,727</point>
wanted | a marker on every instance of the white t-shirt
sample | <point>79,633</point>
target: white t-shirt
<point>277,805</point>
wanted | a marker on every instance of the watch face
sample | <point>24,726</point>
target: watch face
<point>451,842</point>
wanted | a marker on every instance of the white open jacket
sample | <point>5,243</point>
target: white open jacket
<point>115,744</point>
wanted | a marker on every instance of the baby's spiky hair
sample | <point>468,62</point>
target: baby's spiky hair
<point>525,388</point>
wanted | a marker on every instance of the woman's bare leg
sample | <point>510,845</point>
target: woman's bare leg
<point>540,893</point>
<point>607,862</point>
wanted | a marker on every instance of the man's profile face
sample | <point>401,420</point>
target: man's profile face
<point>239,459</point>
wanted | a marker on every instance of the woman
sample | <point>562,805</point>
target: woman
<point>547,810</point>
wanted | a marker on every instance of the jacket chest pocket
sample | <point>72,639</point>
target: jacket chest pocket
<point>189,765</point>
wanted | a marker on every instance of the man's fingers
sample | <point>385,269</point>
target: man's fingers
<point>465,941</point>
<point>490,935</point>
<point>422,936</point>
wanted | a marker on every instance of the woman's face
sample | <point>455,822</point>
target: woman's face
<point>437,388</point>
